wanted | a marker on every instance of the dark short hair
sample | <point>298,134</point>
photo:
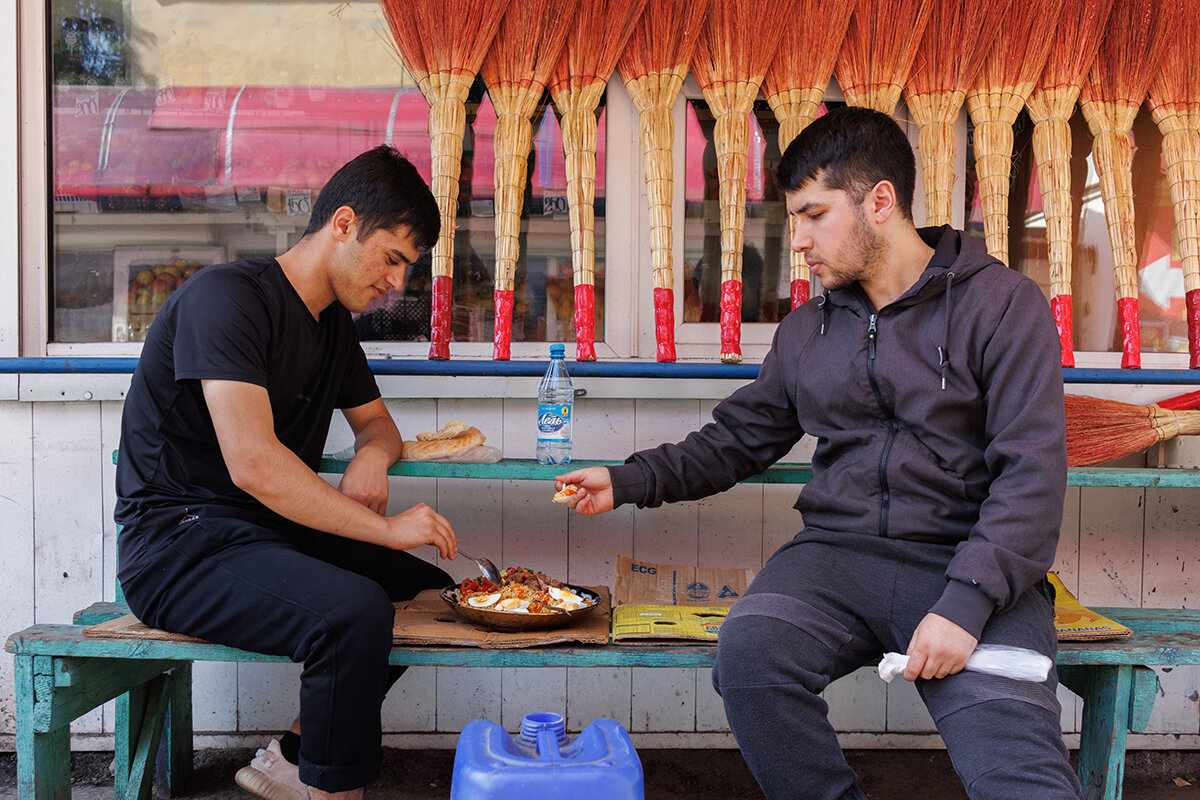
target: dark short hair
<point>851,149</point>
<point>386,191</point>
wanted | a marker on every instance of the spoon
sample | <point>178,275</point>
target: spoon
<point>486,567</point>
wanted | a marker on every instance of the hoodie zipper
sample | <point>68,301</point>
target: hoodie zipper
<point>893,423</point>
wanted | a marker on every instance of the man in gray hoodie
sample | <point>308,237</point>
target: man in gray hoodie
<point>929,374</point>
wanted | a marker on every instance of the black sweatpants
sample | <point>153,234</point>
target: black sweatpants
<point>316,598</point>
<point>826,604</point>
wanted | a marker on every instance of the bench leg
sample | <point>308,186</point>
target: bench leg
<point>1106,693</point>
<point>175,749</point>
<point>141,713</point>
<point>43,758</point>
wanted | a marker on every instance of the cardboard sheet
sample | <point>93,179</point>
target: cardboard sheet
<point>672,603</point>
<point>427,620</point>
<point>424,620</point>
<point>1075,622</point>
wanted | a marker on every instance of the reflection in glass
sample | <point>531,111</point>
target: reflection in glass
<point>1160,268</point>
<point>170,146</point>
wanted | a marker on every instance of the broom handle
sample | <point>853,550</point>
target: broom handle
<point>1189,423</point>
<point>1181,151</point>
<point>514,136</point>
<point>579,147</point>
<point>658,135</point>
<point>1113,156</point>
<point>1181,402</point>
<point>731,135</point>
<point>447,124</point>
<point>795,109</point>
<point>935,113</point>
<point>1052,148</point>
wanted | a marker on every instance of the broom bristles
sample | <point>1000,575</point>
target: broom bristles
<point>1129,53</point>
<point>738,41</point>
<point>435,36</point>
<point>595,42</point>
<point>1023,41</point>
<point>664,38</point>
<point>877,56</point>
<point>958,37</point>
<point>1077,35</point>
<point>1176,85</point>
<point>528,44</point>
<point>1100,430</point>
<point>809,48</point>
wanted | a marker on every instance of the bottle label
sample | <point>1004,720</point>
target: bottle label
<point>553,421</point>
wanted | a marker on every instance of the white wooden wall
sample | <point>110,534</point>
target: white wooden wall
<point>1118,547</point>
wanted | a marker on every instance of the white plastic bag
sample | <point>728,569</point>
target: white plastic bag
<point>992,659</point>
<point>483,454</point>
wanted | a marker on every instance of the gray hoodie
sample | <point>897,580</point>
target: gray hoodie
<point>938,418</point>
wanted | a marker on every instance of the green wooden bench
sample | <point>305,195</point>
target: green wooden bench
<point>61,674</point>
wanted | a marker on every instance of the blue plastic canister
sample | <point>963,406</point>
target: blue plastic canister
<point>489,764</point>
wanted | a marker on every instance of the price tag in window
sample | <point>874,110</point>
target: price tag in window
<point>298,202</point>
<point>554,205</point>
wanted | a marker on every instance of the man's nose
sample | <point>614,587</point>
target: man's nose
<point>801,241</point>
<point>395,278</point>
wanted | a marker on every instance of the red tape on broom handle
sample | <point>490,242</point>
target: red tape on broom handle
<point>439,322</point>
<point>502,334</point>
<point>1131,333</point>
<point>585,322</point>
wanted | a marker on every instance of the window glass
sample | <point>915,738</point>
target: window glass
<point>1160,268</point>
<point>182,136</point>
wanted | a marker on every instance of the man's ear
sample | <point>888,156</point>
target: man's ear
<point>881,202</point>
<point>344,223</point>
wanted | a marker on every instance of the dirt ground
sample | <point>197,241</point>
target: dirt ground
<point>669,775</point>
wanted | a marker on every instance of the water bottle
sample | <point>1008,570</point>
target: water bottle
<point>556,399</point>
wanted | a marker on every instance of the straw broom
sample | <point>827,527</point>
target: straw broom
<point>1076,39</point>
<point>443,42</point>
<point>1101,430</point>
<point>951,52</point>
<point>1004,82</point>
<point>1110,97</point>
<point>594,43</point>
<point>795,85</point>
<point>516,70</point>
<point>653,66</point>
<point>738,41</point>
<point>1175,106</point>
<point>881,44</point>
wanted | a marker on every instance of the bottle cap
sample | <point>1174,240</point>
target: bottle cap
<point>557,350</point>
<point>556,724</point>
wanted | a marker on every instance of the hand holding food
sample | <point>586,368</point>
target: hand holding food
<point>593,490</point>
<point>565,493</point>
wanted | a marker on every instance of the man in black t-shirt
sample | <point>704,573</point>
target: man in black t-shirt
<point>228,533</point>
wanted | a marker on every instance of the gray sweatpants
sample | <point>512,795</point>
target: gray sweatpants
<point>826,604</point>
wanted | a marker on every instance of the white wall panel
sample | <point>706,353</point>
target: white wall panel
<point>663,700</point>
<point>466,694</point>
<point>17,540</point>
<point>599,694</point>
<point>905,711</point>
<point>1110,547</point>
<point>526,690</point>
<point>858,702</point>
<point>214,696</point>
<point>411,704</point>
<point>268,696</point>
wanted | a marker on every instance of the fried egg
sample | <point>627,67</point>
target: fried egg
<point>566,599</point>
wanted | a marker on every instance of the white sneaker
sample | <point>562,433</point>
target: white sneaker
<point>271,776</point>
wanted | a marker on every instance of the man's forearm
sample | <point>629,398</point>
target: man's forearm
<point>283,483</point>
<point>380,435</point>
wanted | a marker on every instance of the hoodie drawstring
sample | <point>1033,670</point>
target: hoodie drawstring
<point>824,309</point>
<point>943,348</point>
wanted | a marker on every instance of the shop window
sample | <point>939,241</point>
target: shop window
<point>181,137</point>
<point>1160,269</point>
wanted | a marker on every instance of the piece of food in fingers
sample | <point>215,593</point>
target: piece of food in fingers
<point>442,448</point>
<point>565,493</point>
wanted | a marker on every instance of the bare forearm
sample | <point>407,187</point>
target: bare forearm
<point>379,436</point>
<point>279,480</point>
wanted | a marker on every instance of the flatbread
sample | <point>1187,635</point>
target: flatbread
<point>448,431</point>
<point>443,448</point>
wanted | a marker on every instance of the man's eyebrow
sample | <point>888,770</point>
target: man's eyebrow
<point>400,256</point>
<point>804,209</point>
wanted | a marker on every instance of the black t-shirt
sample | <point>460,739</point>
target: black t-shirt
<point>245,322</point>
